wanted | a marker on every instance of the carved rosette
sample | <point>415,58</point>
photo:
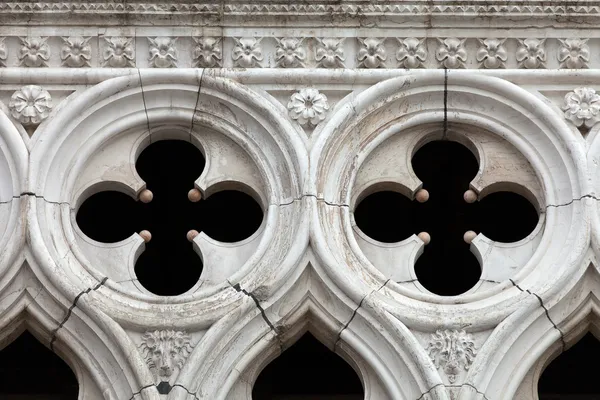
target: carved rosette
<point>119,52</point>
<point>163,53</point>
<point>308,107</point>
<point>207,53</point>
<point>582,107</point>
<point>34,52</point>
<point>451,53</point>
<point>330,53</point>
<point>76,52</point>
<point>412,53</point>
<point>573,53</point>
<point>290,53</point>
<point>247,52</point>
<point>30,105</point>
<point>492,54</point>
<point>372,53</point>
<point>165,352</point>
<point>531,53</point>
<point>3,52</point>
<point>452,350</point>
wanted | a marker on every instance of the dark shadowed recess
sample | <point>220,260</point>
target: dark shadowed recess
<point>30,371</point>
<point>573,375</point>
<point>447,267</point>
<point>169,265</point>
<point>310,371</point>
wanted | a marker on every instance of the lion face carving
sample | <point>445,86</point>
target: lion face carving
<point>165,352</point>
<point>451,350</point>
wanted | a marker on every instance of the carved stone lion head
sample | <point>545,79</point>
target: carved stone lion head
<point>451,350</point>
<point>165,352</point>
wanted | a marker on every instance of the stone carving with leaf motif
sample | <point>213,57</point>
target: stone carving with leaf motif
<point>119,52</point>
<point>34,52</point>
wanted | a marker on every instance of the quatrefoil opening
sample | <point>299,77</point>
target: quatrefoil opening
<point>504,213</point>
<point>169,264</point>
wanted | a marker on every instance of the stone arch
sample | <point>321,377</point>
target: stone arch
<point>390,365</point>
<point>447,98</point>
<point>100,359</point>
<point>149,101</point>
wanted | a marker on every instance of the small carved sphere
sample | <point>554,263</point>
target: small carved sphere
<point>194,195</point>
<point>422,196</point>
<point>469,236</point>
<point>146,235</point>
<point>191,235</point>
<point>425,237</point>
<point>470,196</point>
<point>146,196</point>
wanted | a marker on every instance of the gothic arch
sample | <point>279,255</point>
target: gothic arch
<point>447,98</point>
<point>100,360</point>
<point>225,366</point>
<point>157,104</point>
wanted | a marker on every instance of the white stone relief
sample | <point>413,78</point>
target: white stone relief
<point>308,107</point>
<point>207,53</point>
<point>119,52</point>
<point>76,52</point>
<point>330,53</point>
<point>531,53</point>
<point>582,106</point>
<point>30,105</point>
<point>163,53</point>
<point>247,52</point>
<point>165,352</point>
<point>573,53</point>
<point>492,54</point>
<point>34,52</point>
<point>451,53</point>
<point>290,53</point>
<point>372,53</point>
<point>412,53</point>
<point>3,52</point>
<point>452,350</point>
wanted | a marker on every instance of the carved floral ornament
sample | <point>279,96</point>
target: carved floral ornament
<point>412,53</point>
<point>3,52</point>
<point>163,53</point>
<point>76,52</point>
<point>30,105</point>
<point>582,107</point>
<point>330,53</point>
<point>372,53</point>
<point>308,107</point>
<point>119,52</point>
<point>247,52</point>
<point>451,53</point>
<point>290,53</point>
<point>492,54</point>
<point>574,53</point>
<point>531,53</point>
<point>34,52</point>
<point>452,351</point>
<point>207,53</point>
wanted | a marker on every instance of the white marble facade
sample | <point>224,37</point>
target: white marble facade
<point>311,104</point>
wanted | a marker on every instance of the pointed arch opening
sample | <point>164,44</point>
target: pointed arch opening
<point>308,370</point>
<point>30,370</point>
<point>571,375</point>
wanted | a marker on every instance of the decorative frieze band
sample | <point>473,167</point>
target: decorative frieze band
<point>298,52</point>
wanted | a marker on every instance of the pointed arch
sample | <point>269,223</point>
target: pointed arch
<point>385,355</point>
<point>106,368</point>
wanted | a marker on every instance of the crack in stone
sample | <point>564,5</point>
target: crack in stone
<point>429,391</point>
<point>197,101</point>
<point>562,336</point>
<point>140,391</point>
<point>239,289</point>
<point>339,335</point>
<point>184,388</point>
<point>144,100</point>
<point>315,197</point>
<point>70,310</point>
<point>585,196</point>
<point>476,390</point>
<point>31,194</point>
